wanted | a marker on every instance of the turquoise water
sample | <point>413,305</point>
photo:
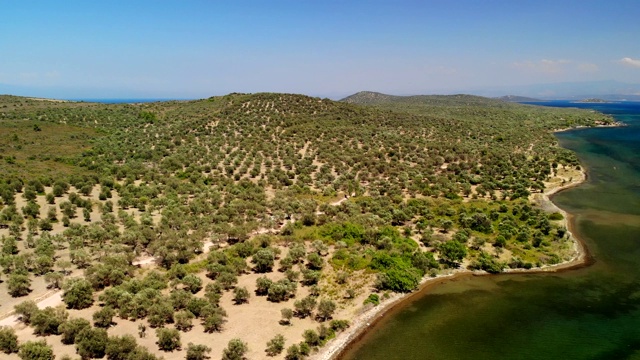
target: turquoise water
<point>587,313</point>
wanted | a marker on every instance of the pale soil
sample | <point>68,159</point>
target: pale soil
<point>38,285</point>
<point>40,291</point>
<point>256,322</point>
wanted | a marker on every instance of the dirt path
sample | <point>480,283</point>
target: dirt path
<point>51,300</point>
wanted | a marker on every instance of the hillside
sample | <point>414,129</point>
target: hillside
<point>208,217</point>
<point>515,98</point>
<point>368,97</point>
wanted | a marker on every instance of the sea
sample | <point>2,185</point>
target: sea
<point>592,312</point>
<point>124,100</point>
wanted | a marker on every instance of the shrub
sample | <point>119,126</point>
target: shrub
<point>47,321</point>
<point>197,352</point>
<point>287,314</point>
<point>192,283</point>
<point>36,350</point>
<point>71,328</point>
<point>104,317</point>
<point>26,310</point>
<point>168,339</point>
<point>8,340</point>
<point>262,285</point>
<point>92,343</point>
<point>235,350</point>
<point>275,345</point>
<point>339,325</point>
<point>19,285</point>
<point>326,308</point>
<point>556,216</point>
<point>399,280</point>
<point>372,299</point>
<point>311,337</point>
<point>78,294</point>
<point>121,347</point>
<point>240,295</point>
<point>305,306</point>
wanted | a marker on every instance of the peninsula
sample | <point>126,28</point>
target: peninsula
<point>264,225</point>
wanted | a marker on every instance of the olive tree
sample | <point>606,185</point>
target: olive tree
<point>78,294</point>
<point>168,339</point>
<point>197,352</point>
<point>8,340</point>
<point>275,345</point>
<point>36,350</point>
<point>235,350</point>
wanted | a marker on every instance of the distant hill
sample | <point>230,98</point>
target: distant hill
<point>516,98</point>
<point>593,100</point>
<point>416,103</point>
<point>373,98</point>
<point>369,97</point>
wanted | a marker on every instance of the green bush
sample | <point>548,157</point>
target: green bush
<point>372,299</point>
<point>556,216</point>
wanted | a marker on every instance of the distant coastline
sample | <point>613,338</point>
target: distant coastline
<point>124,100</point>
<point>595,101</point>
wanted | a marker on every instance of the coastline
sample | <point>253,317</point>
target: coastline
<point>613,124</point>
<point>364,321</point>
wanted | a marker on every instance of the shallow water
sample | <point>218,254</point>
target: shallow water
<point>587,313</point>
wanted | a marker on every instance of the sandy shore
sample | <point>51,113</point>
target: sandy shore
<point>614,124</point>
<point>361,323</point>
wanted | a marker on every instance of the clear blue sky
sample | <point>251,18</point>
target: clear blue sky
<point>190,49</point>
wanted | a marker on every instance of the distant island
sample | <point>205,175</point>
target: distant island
<point>594,100</point>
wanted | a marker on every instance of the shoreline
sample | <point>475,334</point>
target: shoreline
<point>366,320</point>
<point>582,127</point>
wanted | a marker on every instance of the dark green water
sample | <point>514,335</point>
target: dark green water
<point>587,313</point>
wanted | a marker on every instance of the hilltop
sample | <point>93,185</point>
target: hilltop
<point>368,97</point>
<point>204,219</point>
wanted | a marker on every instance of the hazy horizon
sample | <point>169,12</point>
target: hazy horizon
<point>196,49</point>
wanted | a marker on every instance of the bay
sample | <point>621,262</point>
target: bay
<point>588,313</point>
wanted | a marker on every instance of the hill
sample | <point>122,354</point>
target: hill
<point>206,215</point>
<point>515,98</point>
<point>368,97</point>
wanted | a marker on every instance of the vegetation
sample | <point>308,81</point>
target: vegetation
<point>36,350</point>
<point>168,339</point>
<point>197,352</point>
<point>235,350</point>
<point>8,340</point>
<point>275,345</point>
<point>370,194</point>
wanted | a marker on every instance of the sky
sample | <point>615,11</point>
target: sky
<point>197,49</point>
